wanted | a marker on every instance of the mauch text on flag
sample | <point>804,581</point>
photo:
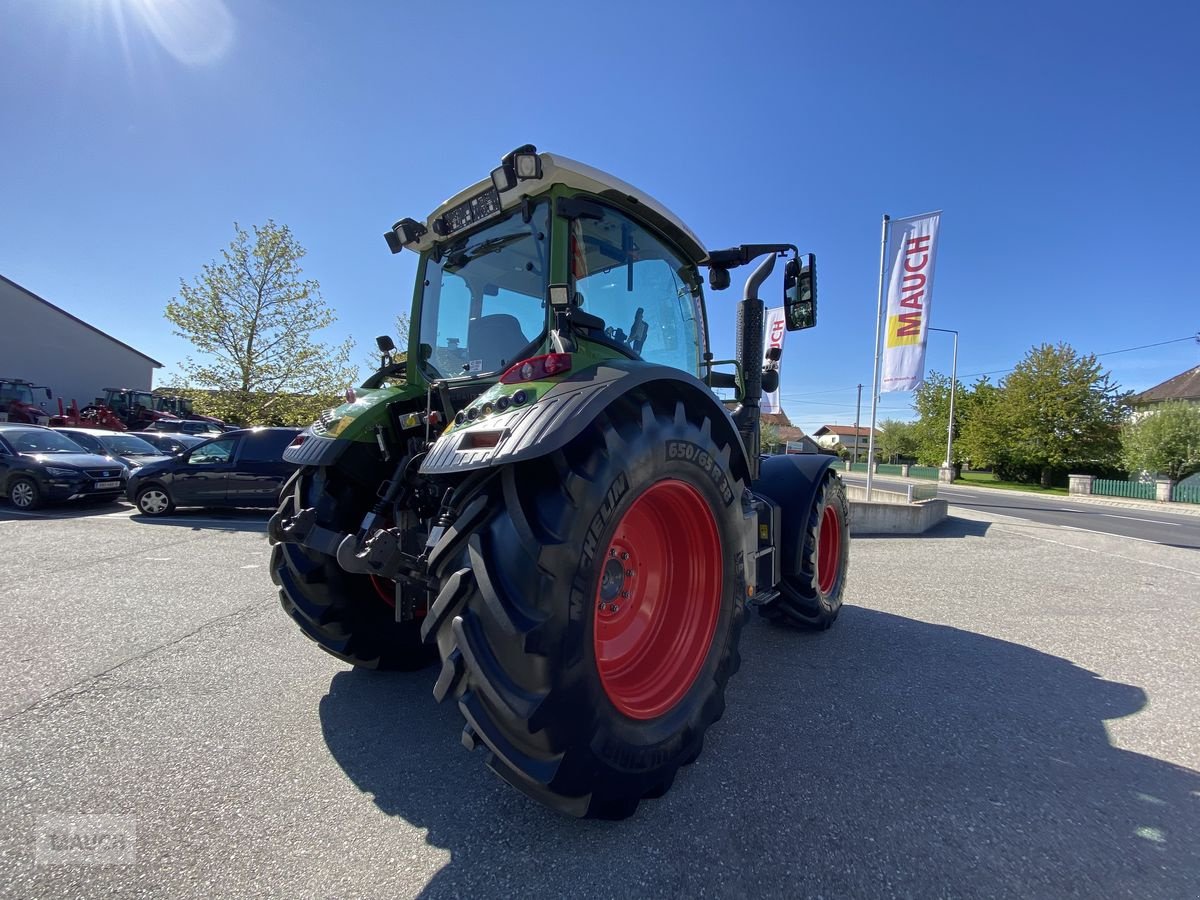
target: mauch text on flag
<point>912,248</point>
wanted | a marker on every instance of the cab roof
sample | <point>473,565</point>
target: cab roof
<point>573,174</point>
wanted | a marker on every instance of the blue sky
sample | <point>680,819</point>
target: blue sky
<point>1059,139</point>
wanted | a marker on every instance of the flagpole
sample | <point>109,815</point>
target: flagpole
<point>875,373</point>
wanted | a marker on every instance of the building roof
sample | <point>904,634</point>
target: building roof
<point>61,311</point>
<point>1184,386</point>
<point>779,419</point>
<point>844,429</point>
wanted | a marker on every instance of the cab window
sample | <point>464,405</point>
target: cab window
<point>648,295</point>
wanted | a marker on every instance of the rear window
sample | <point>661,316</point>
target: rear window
<point>266,446</point>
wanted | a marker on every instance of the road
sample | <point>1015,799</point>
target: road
<point>1004,709</point>
<point>1151,525</point>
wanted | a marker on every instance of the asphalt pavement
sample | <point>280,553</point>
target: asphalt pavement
<point>1006,708</point>
<point>1141,522</point>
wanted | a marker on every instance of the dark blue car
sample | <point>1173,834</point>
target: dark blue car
<point>240,468</point>
<point>38,465</point>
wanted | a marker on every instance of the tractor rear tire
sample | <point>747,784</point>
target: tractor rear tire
<point>810,597</point>
<point>590,607</point>
<point>344,613</point>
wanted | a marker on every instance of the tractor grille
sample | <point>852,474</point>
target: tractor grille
<point>102,474</point>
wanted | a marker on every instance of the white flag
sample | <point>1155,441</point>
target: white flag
<point>776,332</point>
<point>911,248</point>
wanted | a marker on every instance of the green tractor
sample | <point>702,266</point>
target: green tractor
<point>548,494</point>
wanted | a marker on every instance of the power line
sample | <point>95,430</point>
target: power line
<point>1190,337</point>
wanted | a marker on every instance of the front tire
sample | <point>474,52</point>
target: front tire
<point>23,493</point>
<point>347,615</point>
<point>590,609</point>
<point>154,501</point>
<point>810,596</point>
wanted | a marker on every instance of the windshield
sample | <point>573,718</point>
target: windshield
<point>41,440</point>
<point>484,301</point>
<point>128,445</point>
<point>19,392</point>
<point>176,405</point>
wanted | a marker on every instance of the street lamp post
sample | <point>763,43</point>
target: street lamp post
<point>953,385</point>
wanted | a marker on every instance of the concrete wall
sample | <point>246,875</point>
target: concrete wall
<point>41,344</point>
<point>895,518</point>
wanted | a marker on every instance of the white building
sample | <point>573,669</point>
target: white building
<point>46,345</point>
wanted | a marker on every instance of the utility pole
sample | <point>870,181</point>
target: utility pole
<point>857,416</point>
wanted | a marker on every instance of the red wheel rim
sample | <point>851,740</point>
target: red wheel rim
<point>658,599</point>
<point>829,550</point>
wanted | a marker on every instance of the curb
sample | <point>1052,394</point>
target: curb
<point>1183,509</point>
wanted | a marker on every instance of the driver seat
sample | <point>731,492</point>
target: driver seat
<point>495,340</point>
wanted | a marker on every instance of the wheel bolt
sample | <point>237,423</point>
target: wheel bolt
<point>629,573</point>
<point>625,555</point>
<point>612,551</point>
<point>624,595</point>
<point>616,608</point>
<point>603,606</point>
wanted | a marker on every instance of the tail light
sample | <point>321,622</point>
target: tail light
<point>536,368</point>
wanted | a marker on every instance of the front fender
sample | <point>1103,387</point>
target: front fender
<point>338,428</point>
<point>567,409</point>
<point>791,482</point>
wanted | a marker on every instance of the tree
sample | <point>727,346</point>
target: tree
<point>982,441</point>
<point>769,437</point>
<point>400,338</point>
<point>255,322</point>
<point>1058,410</point>
<point>932,403</point>
<point>1165,442</point>
<point>896,440</point>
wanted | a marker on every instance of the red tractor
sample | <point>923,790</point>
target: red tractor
<point>23,401</point>
<point>137,409</point>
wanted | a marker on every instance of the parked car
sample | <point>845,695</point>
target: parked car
<point>39,465</point>
<point>239,468</point>
<point>185,426</point>
<point>170,443</point>
<point>126,448</point>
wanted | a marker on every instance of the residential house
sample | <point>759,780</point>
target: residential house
<point>830,437</point>
<point>788,435</point>
<point>1185,386</point>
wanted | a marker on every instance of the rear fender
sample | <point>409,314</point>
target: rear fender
<point>791,482</point>
<point>564,411</point>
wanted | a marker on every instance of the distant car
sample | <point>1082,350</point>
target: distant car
<point>169,442</point>
<point>185,426</point>
<point>239,468</point>
<point>127,448</point>
<point>39,465</point>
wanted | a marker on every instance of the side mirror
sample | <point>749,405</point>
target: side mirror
<point>385,344</point>
<point>800,293</point>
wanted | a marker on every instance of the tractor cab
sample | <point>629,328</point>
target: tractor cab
<point>23,401</point>
<point>135,409</point>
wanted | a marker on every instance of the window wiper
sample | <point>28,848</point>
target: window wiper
<point>458,259</point>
